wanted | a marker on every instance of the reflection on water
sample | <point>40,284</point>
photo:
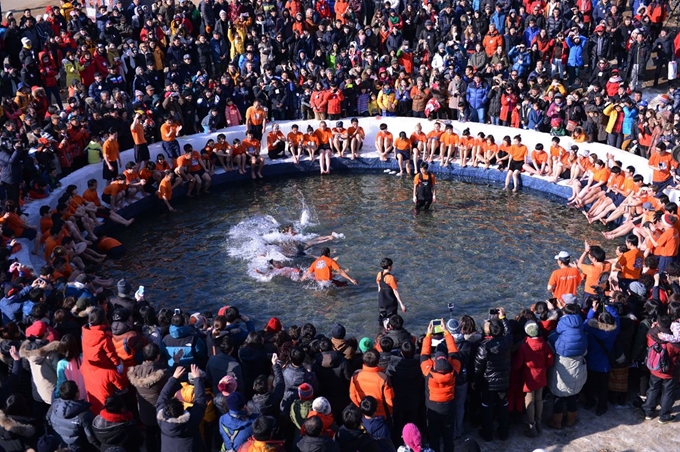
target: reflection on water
<point>481,247</point>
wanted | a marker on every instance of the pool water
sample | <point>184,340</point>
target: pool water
<point>480,247</point>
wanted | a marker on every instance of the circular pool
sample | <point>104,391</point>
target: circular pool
<point>480,247</point>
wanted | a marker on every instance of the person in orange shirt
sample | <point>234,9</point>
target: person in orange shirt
<point>276,143</point>
<point>558,161</point>
<point>141,147</point>
<point>238,154</point>
<point>256,120</point>
<point>662,163</point>
<point>465,147</point>
<point>592,272</point>
<point>629,263</point>
<point>134,182</point>
<point>323,268</point>
<point>339,143</point>
<point>478,149</point>
<point>539,162</point>
<point>584,193</point>
<point>310,143</point>
<point>223,152</point>
<point>666,246</point>
<point>324,136</point>
<point>342,11</point>
<point>613,196</point>
<point>418,143</point>
<point>355,137</point>
<point>169,132</point>
<point>384,142</point>
<point>449,145</point>
<point>114,192</point>
<point>433,142</point>
<point>21,229</point>
<point>294,141</point>
<point>424,188</point>
<point>518,154</point>
<point>252,146</point>
<point>111,156</point>
<point>564,280</point>
<point>165,191</point>
<point>191,167</point>
<point>490,152</point>
<point>402,147</point>
<point>161,164</point>
<point>90,194</point>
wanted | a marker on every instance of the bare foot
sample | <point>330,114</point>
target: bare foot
<point>253,176</point>
<point>260,175</point>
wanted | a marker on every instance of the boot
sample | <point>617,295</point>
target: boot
<point>531,431</point>
<point>537,424</point>
<point>571,418</point>
<point>556,421</point>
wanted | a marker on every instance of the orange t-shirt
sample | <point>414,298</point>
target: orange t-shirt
<point>435,134</point>
<point>402,144</point>
<point>616,181</point>
<point>138,133</point>
<point>557,151</point>
<point>450,139</point>
<point>389,279</point>
<point>251,146</point>
<point>418,138</point>
<point>665,163</point>
<point>592,274</point>
<point>540,157</point>
<point>324,136</point>
<point>631,264</point>
<point>106,244</point>
<point>169,132</point>
<point>237,149</point>
<point>310,139</point>
<point>131,175</point>
<point>359,131</point>
<point>492,147</point>
<point>15,223</point>
<point>92,196</point>
<point>165,189</point>
<point>50,245</point>
<point>111,150</point>
<point>667,244</point>
<point>114,188</point>
<point>256,116</point>
<point>272,137</point>
<point>323,268</point>
<point>467,141</point>
<point>601,175</point>
<point>295,138</point>
<point>518,153</point>
<point>565,280</point>
<point>193,161</point>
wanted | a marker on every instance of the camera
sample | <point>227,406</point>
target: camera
<point>493,311</point>
<point>177,311</point>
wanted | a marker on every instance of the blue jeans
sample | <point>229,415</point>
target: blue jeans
<point>477,114</point>
<point>459,398</point>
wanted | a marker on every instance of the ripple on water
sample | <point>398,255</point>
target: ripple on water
<point>481,247</point>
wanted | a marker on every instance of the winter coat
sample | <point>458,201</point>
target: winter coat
<point>43,358</point>
<point>494,97</point>
<point>576,57</point>
<point>408,382</point>
<point>597,357</point>
<point>569,338</point>
<point>567,376</point>
<point>117,430</point>
<point>181,434</point>
<point>148,379</point>
<point>98,348</point>
<point>371,381</point>
<point>72,420</point>
<point>221,365</point>
<point>333,372</point>
<point>440,387</point>
<point>128,343</point>
<point>321,444</point>
<point>476,95</point>
<point>267,404</point>
<point>533,357</point>
<point>17,434</point>
<point>254,363</point>
<point>535,119</point>
<point>185,338</point>
<point>235,428</point>
<point>345,347</point>
<point>629,116</point>
<point>101,383</point>
<point>293,378</point>
<point>354,440</point>
<point>493,362</point>
<point>10,166</point>
<point>672,352</point>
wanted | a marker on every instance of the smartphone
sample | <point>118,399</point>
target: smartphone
<point>140,291</point>
<point>178,311</point>
<point>493,311</point>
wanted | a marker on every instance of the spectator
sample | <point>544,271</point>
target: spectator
<point>71,419</point>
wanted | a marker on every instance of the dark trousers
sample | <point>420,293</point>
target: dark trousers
<point>153,438</point>
<point>440,429</point>
<point>278,152</point>
<point>571,403</point>
<point>663,391</point>
<point>494,401</point>
<point>597,387</point>
<point>423,204</point>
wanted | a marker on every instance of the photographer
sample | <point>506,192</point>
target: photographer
<point>11,155</point>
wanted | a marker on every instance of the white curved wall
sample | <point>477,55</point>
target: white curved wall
<point>371,127</point>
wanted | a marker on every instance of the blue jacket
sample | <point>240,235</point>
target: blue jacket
<point>576,52</point>
<point>185,338</point>
<point>11,306</point>
<point>530,34</point>
<point>521,61</point>
<point>476,95</point>
<point>569,338</point>
<point>235,428</point>
<point>498,19</point>
<point>628,120</point>
<point>535,119</point>
<point>597,358</point>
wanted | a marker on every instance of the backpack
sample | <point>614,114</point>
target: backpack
<point>657,358</point>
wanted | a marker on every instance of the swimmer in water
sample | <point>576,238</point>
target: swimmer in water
<point>322,270</point>
<point>276,268</point>
<point>302,245</point>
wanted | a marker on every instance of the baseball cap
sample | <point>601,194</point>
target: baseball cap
<point>637,288</point>
<point>563,255</point>
<point>569,298</point>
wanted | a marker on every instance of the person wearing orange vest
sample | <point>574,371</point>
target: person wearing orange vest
<point>440,373</point>
<point>371,381</point>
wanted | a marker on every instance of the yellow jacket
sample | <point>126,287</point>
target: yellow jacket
<point>387,102</point>
<point>610,111</point>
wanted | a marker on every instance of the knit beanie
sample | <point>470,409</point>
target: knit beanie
<point>321,405</point>
<point>227,385</point>
<point>412,438</point>
<point>305,391</point>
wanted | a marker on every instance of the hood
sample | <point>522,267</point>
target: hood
<point>593,323</point>
<point>570,321</point>
<point>37,349</point>
<point>180,331</point>
<point>330,359</point>
<point>145,375</point>
<point>178,421</point>
<point>94,336</point>
<point>68,409</point>
<point>118,328</point>
<point>474,338</point>
<point>15,427</point>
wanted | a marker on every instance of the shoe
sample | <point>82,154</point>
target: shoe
<point>572,418</point>
<point>649,416</point>
<point>387,171</point>
<point>601,411</point>
<point>556,421</point>
<point>538,426</point>
<point>666,420</point>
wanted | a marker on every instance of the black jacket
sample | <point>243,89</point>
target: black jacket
<point>221,365</point>
<point>148,379</point>
<point>112,432</point>
<point>72,420</point>
<point>16,433</point>
<point>333,372</point>
<point>407,381</point>
<point>353,440</point>
<point>254,363</point>
<point>493,362</point>
<point>322,444</point>
<point>267,404</point>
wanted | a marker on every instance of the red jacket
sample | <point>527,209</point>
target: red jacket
<point>334,101</point>
<point>98,348</point>
<point>534,357</point>
<point>101,383</point>
<point>672,350</point>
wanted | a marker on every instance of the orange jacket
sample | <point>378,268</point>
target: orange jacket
<point>370,381</point>
<point>439,387</point>
<point>491,43</point>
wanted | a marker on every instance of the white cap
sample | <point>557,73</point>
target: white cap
<point>569,298</point>
<point>563,255</point>
<point>583,152</point>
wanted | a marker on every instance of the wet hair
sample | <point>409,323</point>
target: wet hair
<point>68,390</point>
<point>263,428</point>
<point>385,263</point>
<point>326,251</point>
<point>313,427</point>
<point>467,325</point>
<point>368,406</point>
<point>352,417</point>
<point>371,358</point>
<point>151,351</point>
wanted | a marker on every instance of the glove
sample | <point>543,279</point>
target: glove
<point>119,368</point>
